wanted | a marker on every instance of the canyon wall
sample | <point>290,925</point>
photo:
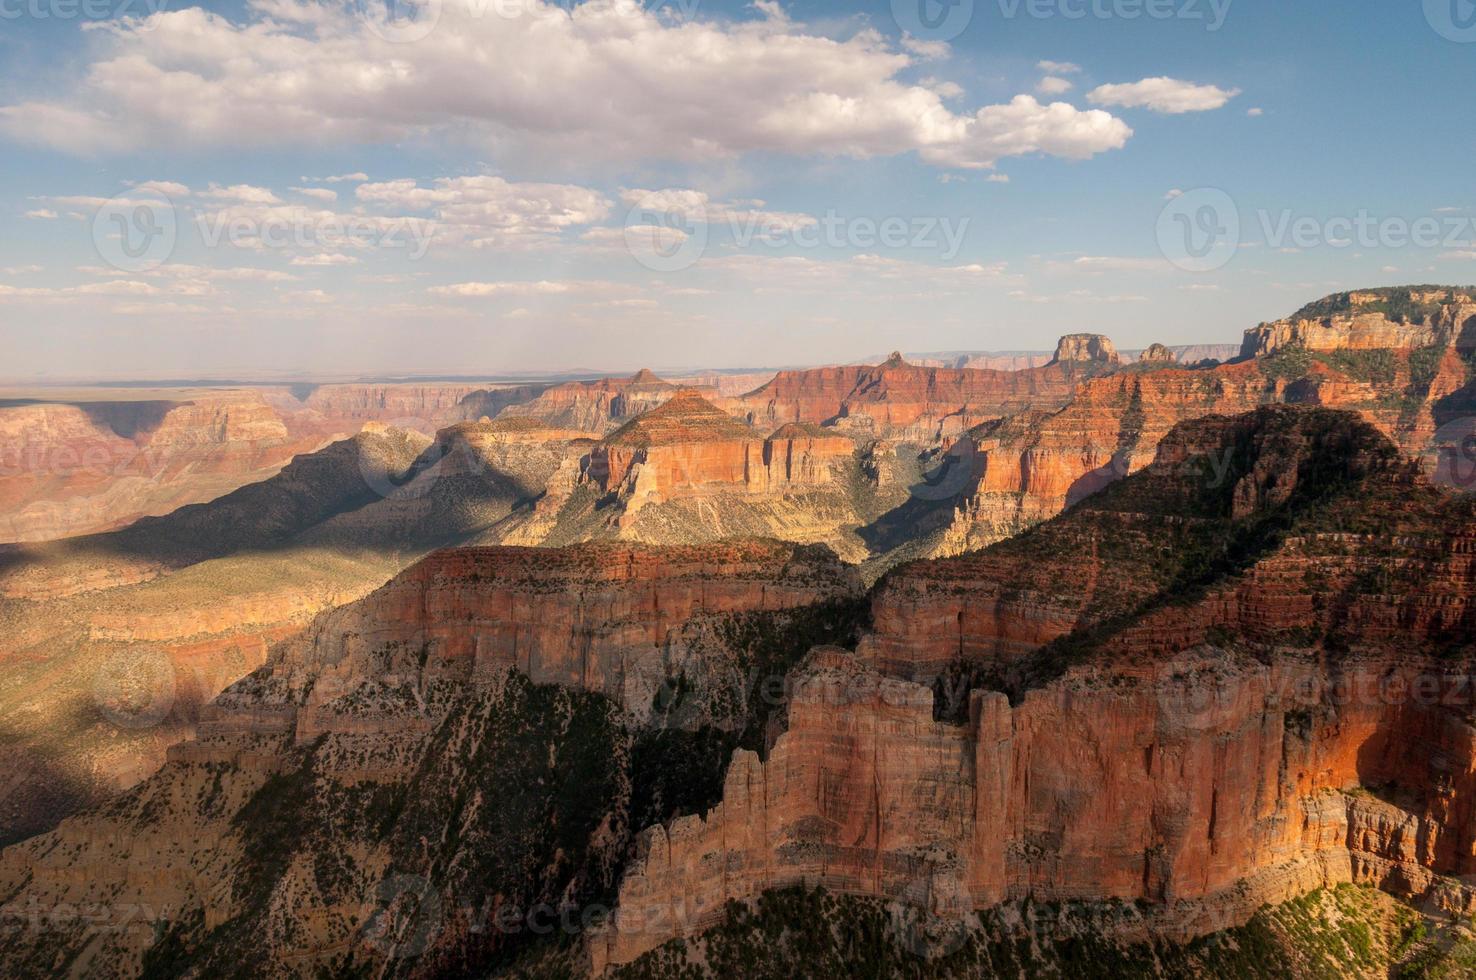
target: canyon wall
<point>1268,692</point>
<point>97,462</point>
<point>598,406</point>
<point>598,617</point>
<point>900,399</point>
<point>1201,786</point>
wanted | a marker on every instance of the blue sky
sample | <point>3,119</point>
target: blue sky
<point>506,168</point>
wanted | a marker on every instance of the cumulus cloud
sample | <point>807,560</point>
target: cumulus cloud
<point>1113,263</point>
<point>1026,126</point>
<point>317,193</point>
<point>491,211</point>
<point>168,188</point>
<point>1053,85</point>
<point>599,81</point>
<point>240,194</point>
<point>324,259</point>
<point>542,287</point>
<point>42,213</point>
<point>927,50</point>
<point>1058,67</point>
<point>1166,95</point>
<point>698,206</point>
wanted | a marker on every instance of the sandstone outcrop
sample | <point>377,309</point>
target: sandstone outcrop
<point>595,617</point>
<point>70,468</point>
<point>97,463</point>
<point>996,606</point>
<point>595,406</point>
<point>389,704</point>
<point>898,399</point>
<point>689,447</point>
<point>1156,354</point>
<point>1374,320</point>
<point>1031,466</point>
<point>1199,789</point>
<point>1085,347</point>
<point>1228,729</point>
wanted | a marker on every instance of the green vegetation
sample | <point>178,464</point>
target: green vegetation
<point>1378,367</point>
<point>1394,302</point>
<point>1336,465</point>
<point>770,644</point>
<point>1327,935</point>
<point>1285,364</point>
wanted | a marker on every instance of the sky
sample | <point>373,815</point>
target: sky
<point>297,188</point>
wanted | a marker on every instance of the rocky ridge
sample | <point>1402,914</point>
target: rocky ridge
<point>1236,729</point>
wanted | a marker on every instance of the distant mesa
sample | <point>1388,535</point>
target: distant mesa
<point>645,376</point>
<point>1397,318</point>
<point>1157,354</point>
<point>685,417</point>
<point>1093,347</point>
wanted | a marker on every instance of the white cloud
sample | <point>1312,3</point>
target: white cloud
<point>1253,113</point>
<point>1167,95</point>
<point>542,287</point>
<point>1025,126</point>
<point>1058,67</point>
<point>1077,296</point>
<point>43,213</point>
<point>927,50</point>
<point>998,178</point>
<point>1053,85</point>
<point>694,205</point>
<point>1112,263</point>
<point>491,211</point>
<point>159,309</point>
<point>324,259</point>
<point>317,193</point>
<point>240,194</point>
<point>585,85</point>
<point>179,270</point>
<point>118,287</point>
<point>1173,193</point>
<point>353,178</point>
<point>168,188</point>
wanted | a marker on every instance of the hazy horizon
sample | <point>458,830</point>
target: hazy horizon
<point>822,183</point>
